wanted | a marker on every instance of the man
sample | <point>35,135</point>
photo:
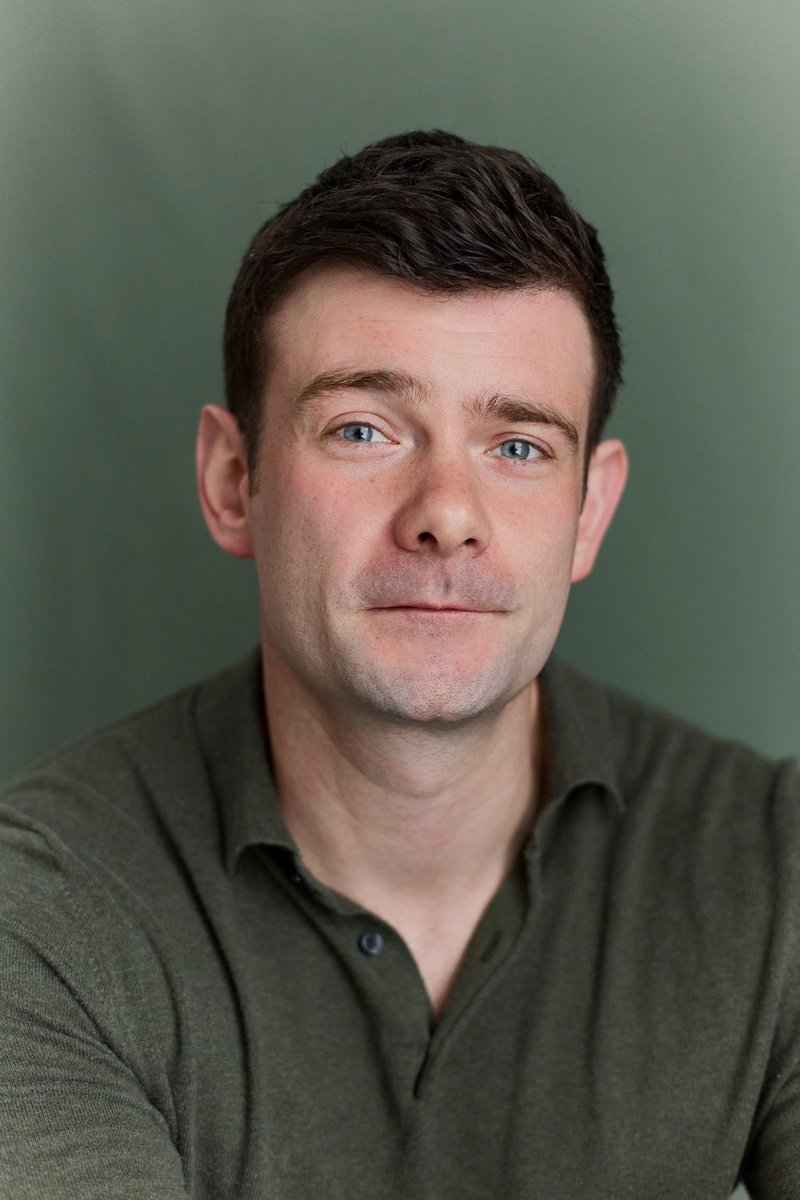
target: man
<point>401,906</point>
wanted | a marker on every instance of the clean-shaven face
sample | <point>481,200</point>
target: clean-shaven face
<point>419,487</point>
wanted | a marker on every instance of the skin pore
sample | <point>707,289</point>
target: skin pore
<point>417,518</point>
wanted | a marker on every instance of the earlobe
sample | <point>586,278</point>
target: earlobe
<point>222,481</point>
<point>608,471</point>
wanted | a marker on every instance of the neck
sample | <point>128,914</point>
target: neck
<point>401,818</point>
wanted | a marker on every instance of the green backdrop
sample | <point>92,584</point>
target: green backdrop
<point>142,144</point>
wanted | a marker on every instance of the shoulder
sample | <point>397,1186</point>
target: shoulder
<point>704,852</point>
<point>104,845</point>
<point>131,799</point>
<point>653,750</point>
<point>110,775</point>
<point>101,849</point>
<point>661,755</point>
<point>711,800</point>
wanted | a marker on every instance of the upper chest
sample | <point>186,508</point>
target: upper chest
<point>581,1040</point>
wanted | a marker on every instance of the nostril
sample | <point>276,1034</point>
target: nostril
<point>427,537</point>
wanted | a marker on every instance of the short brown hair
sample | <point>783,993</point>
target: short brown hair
<point>439,212</point>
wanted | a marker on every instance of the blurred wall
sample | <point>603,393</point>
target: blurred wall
<point>142,144</point>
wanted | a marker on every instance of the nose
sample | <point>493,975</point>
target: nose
<point>444,513</point>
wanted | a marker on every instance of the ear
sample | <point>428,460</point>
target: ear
<point>608,470</point>
<point>223,481</point>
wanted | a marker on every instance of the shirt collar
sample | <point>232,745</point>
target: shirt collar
<point>579,735</point>
<point>232,731</point>
<point>233,736</point>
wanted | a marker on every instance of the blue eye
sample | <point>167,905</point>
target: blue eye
<point>360,431</point>
<point>357,433</point>
<point>518,450</point>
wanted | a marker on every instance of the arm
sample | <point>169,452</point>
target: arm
<point>75,1118</point>
<point>771,1168</point>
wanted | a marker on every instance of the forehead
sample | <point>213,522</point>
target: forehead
<point>339,317</point>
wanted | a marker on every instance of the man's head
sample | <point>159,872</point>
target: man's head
<point>429,476</point>
<point>440,213</point>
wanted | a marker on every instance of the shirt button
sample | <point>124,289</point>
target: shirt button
<point>370,943</point>
<point>296,877</point>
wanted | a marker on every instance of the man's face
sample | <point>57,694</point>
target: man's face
<point>419,490</point>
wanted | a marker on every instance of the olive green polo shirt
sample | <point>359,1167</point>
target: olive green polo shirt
<point>186,1012</point>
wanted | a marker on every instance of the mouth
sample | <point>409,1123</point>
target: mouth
<point>432,608</point>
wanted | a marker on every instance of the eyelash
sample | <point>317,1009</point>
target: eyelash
<point>539,451</point>
<point>357,425</point>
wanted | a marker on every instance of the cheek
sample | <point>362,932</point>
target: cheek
<point>313,525</point>
<point>540,533</point>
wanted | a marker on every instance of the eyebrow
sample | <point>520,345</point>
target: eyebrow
<point>388,383</point>
<point>532,412</point>
<point>494,405</point>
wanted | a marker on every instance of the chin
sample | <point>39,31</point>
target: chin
<point>438,702</point>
